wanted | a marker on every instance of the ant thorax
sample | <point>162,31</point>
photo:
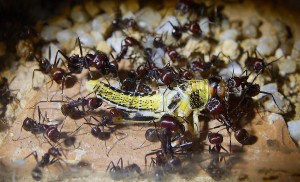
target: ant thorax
<point>181,100</point>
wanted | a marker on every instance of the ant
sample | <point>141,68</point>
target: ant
<point>119,172</point>
<point>56,73</point>
<point>36,128</point>
<point>219,108</point>
<point>258,65</point>
<point>205,68</point>
<point>6,96</point>
<point>192,27</point>
<point>119,23</point>
<point>126,43</point>
<point>72,110</point>
<point>249,89</point>
<point>188,6</point>
<point>99,60</point>
<point>168,122</point>
<point>172,123</point>
<point>53,152</point>
<point>171,51</point>
<point>97,132</point>
<point>162,165</point>
<point>216,139</point>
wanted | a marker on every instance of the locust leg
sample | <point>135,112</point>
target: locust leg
<point>196,123</point>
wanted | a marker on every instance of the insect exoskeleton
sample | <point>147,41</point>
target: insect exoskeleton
<point>191,96</point>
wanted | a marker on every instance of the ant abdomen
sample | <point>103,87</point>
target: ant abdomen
<point>94,103</point>
<point>242,136</point>
<point>37,174</point>
<point>215,138</point>
<point>52,133</point>
<point>57,74</point>
<point>173,165</point>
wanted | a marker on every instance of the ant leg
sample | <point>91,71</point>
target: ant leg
<point>19,135</point>
<point>33,77</point>
<point>35,156</point>
<point>119,139</point>
<point>267,93</point>
<point>113,166</point>
<point>120,160</point>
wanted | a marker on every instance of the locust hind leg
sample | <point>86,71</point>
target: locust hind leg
<point>196,123</point>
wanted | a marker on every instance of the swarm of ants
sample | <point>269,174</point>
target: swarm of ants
<point>230,100</point>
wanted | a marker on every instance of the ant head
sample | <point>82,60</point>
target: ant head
<point>66,109</point>
<point>217,87</point>
<point>43,62</point>
<point>28,124</point>
<point>94,103</point>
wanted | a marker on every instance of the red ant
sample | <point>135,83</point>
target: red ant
<point>35,127</point>
<point>119,172</point>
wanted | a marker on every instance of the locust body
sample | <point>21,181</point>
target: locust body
<point>189,97</point>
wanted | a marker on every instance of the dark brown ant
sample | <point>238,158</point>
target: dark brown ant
<point>216,139</point>
<point>126,43</point>
<point>192,27</point>
<point>119,172</point>
<point>53,152</point>
<point>72,108</point>
<point>98,129</point>
<point>217,165</point>
<point>36,128</point>
<point>189,6</point>
<point>165,159</point>
<point>199,65</point>
<point>135,83</point>
<point>172,123</point>
<point>256,64</point>
<point>6,95</point>
<point>248,89</point>
<point>56,73</point>
<point>99,60</point>
<point>220,110</point>
<point>168,122</point>
<point>119,23</point>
